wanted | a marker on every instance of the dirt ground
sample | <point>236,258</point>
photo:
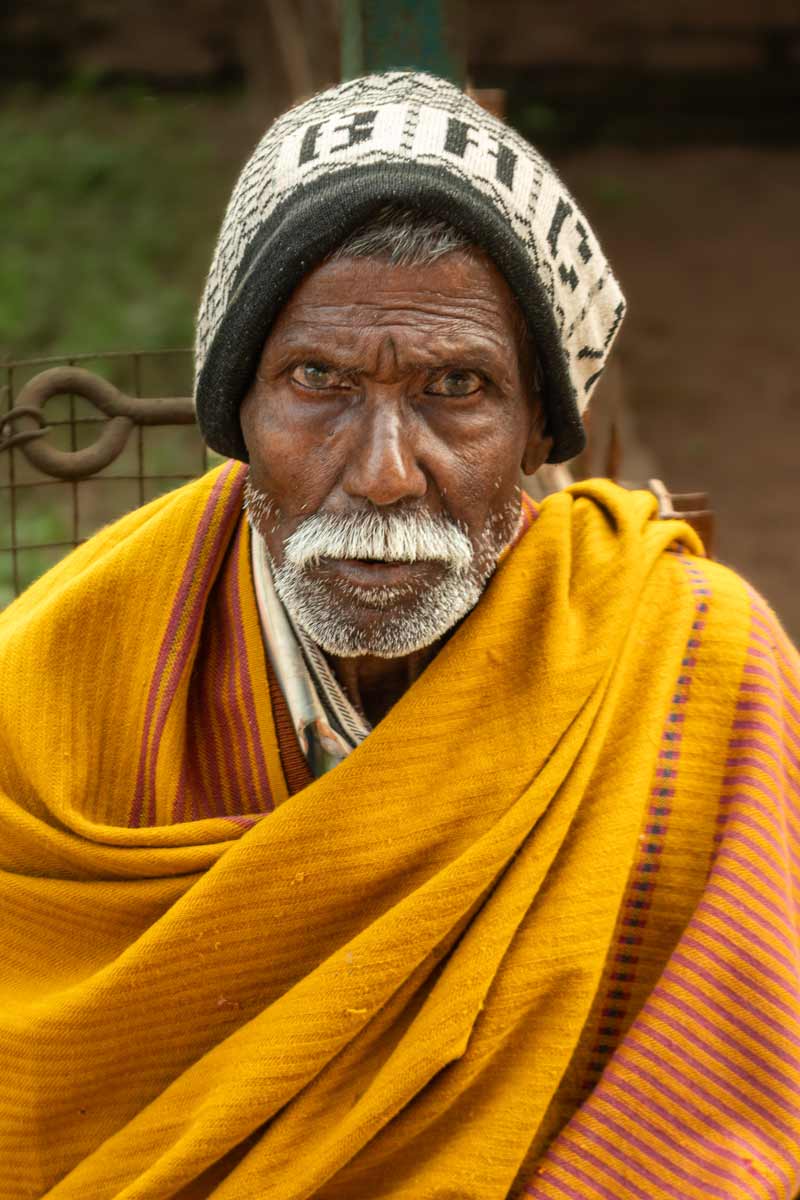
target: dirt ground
<point>706,244</point>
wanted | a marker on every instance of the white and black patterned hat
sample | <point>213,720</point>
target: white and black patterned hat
<point>402,138</point>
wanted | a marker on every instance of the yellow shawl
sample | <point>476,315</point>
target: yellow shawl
<point>397,981</point>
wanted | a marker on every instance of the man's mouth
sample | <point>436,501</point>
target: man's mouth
<point>376,572</point>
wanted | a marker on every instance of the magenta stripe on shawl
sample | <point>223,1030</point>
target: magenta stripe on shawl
<point>618,1149</point>
<point>696,1117</point>
<point>684,1080</point>
<point>743,956</point>
<point>592,1181</point>
<point>733,995</point>
<point>757,850</point>
<point>683,1101</point>
<point>638,898</point>
<point>756,807</point>
<point>774,693</point>
<point>184,647</point>
<point>782,931</point>
<point>245,822</point>
<point>226,744</point>
<point>238,749</point>
<point>763,747</point>
<point>738,1046</point>
<point>588,1181</point>
<point>733,1119</point>
<point>766,731</point>
<point>149,749</point>
<point>773,635</point>
<point>693,1129</point>
<point>216,745</point>
<point>776,686</point>
<point>262,791</point>
<point>635,1118</point>
<point>737,880</point>
<point>669,992</point>
<point>740,761</point>
<point>186,642</point>
<point>716,997</point>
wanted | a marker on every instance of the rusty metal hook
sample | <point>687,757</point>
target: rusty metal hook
<point>23,436</point>
<point>123,411</point>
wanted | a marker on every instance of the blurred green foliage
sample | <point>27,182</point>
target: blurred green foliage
<point>110,201</point>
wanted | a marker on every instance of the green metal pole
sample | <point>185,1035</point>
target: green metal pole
<point>385,35</point>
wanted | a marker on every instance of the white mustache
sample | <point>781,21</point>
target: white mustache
<point>391,537</point>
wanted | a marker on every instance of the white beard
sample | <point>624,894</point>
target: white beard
<point>416,615</point>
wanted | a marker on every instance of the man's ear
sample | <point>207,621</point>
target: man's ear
<point>539,443</point>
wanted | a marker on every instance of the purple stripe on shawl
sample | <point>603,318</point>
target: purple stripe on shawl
<point>227,684</point>
<point>743,956</point>
<point>737,1045</point>
<point>239,749</point>
<point>749,822</point>
<point>638,899</point>
<point>738,880</point>
<point>192,626</point>
<point>262,790</point>
<point>245,822</point>
<point>664,993</point>
<point>756,744</point>
<point>725,1116</point>
<point>549,1179</point>
<point>718,1130</point>
<point>184,645</point>
<point>722,1024</point>
<point>617,1149</point>
<point>738,838</point>
<point>775,639</point>
<point>148,754</point>
<point>776,684</point>
<point>733,995</point>
<point>215,743</point>
<point>635,1117</point>
<point>767,731</point>
<point>591,1180</point>
<point>772,692</point>
<point>741,761</point>
<point>680,1077</point>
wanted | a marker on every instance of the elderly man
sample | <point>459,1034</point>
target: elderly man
<point>367,830</point>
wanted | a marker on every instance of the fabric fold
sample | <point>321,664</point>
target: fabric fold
<point>386,983</point>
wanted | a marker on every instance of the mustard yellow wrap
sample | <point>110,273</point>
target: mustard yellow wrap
<point>373,987</point>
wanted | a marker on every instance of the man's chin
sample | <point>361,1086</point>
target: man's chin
<point>386,620</point>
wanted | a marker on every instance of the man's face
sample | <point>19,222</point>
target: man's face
<point>385,427</point>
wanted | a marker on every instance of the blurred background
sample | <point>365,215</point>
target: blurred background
<point>124,123</point>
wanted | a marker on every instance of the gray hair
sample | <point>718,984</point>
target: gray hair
<point>406,237</point>
<point>402,236</point>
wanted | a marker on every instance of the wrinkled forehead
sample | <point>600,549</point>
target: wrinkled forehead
<point>426,312</point>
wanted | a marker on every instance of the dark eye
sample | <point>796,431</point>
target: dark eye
<point>314,375</point>
<point>455,383</point>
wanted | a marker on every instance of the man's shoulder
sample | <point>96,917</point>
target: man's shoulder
<point>729,612</point>
<point>117,555</point>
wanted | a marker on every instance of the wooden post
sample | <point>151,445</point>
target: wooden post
<point>386,35</point>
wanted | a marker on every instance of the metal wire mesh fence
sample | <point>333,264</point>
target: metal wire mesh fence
<point>78,450</point>
<point>83,441</point>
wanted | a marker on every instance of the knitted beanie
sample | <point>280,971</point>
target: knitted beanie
<point>324,167</point>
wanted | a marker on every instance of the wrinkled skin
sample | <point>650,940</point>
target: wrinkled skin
<point>388,386</point>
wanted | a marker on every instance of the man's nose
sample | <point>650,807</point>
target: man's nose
<point>382,466</point>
